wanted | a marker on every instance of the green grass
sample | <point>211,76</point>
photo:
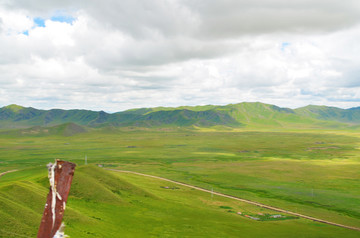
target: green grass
<point>133,206</point>
<point>314,172</point>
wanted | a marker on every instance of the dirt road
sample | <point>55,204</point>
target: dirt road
<point>242,200</point>
<point>6,172</point>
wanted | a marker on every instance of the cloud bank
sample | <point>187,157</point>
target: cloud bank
<point>114,55</point>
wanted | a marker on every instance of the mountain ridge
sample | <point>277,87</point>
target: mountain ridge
<point>245,114</point>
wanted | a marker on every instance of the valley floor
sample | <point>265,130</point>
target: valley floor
<point>242,200</point>
<point>316,173</point>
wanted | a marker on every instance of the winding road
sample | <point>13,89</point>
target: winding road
<point>241,199</point>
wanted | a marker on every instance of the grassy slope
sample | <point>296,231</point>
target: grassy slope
<point>14,116</point>
<point>131,206</point>
<point>330,113</point>
<point>261,115</point>
<point>66,129</point>
<point>252,115</point>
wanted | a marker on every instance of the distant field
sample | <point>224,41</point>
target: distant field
<point>316,173</point>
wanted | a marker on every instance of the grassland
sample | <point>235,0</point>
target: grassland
<point>316,173</point>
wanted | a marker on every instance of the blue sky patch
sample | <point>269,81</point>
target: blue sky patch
<point>59,17</point>
<point>67,19</point>
<point>63,18</point>
<point>40,22</point>
<point>26,32</point>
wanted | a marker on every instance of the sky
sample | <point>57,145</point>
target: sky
<point>115,55</point>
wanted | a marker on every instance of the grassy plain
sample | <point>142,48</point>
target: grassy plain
<point>316,173</point>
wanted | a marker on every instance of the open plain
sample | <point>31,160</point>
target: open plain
<point>311,172</point>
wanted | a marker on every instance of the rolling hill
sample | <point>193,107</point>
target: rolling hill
<point>233,115</point>
<point>351,115</point>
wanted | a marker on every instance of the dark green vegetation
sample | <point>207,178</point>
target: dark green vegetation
<point>305,160</point>
<point>248,115</point>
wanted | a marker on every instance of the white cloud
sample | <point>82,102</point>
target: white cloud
<point>14,22</point>
<point>124,54</point>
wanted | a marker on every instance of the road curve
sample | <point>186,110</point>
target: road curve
<point>241,199</point>
<point>6,172</point>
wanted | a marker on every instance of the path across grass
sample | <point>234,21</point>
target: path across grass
<point>240,199</point>
<point>6,172</point>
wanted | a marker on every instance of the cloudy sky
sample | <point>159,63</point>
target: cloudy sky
<point>114,55</point>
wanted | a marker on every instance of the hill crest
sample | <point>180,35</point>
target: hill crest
<point>245,114</point>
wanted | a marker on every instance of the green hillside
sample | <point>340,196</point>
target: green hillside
<point>351,115</point>
<point>14,116</point>
<point>66,129</point>
<point>122,205</point>
<point>251,115</point>
<point>291,159</point>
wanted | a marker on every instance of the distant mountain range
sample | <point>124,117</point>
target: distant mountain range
<point>233,115</point>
